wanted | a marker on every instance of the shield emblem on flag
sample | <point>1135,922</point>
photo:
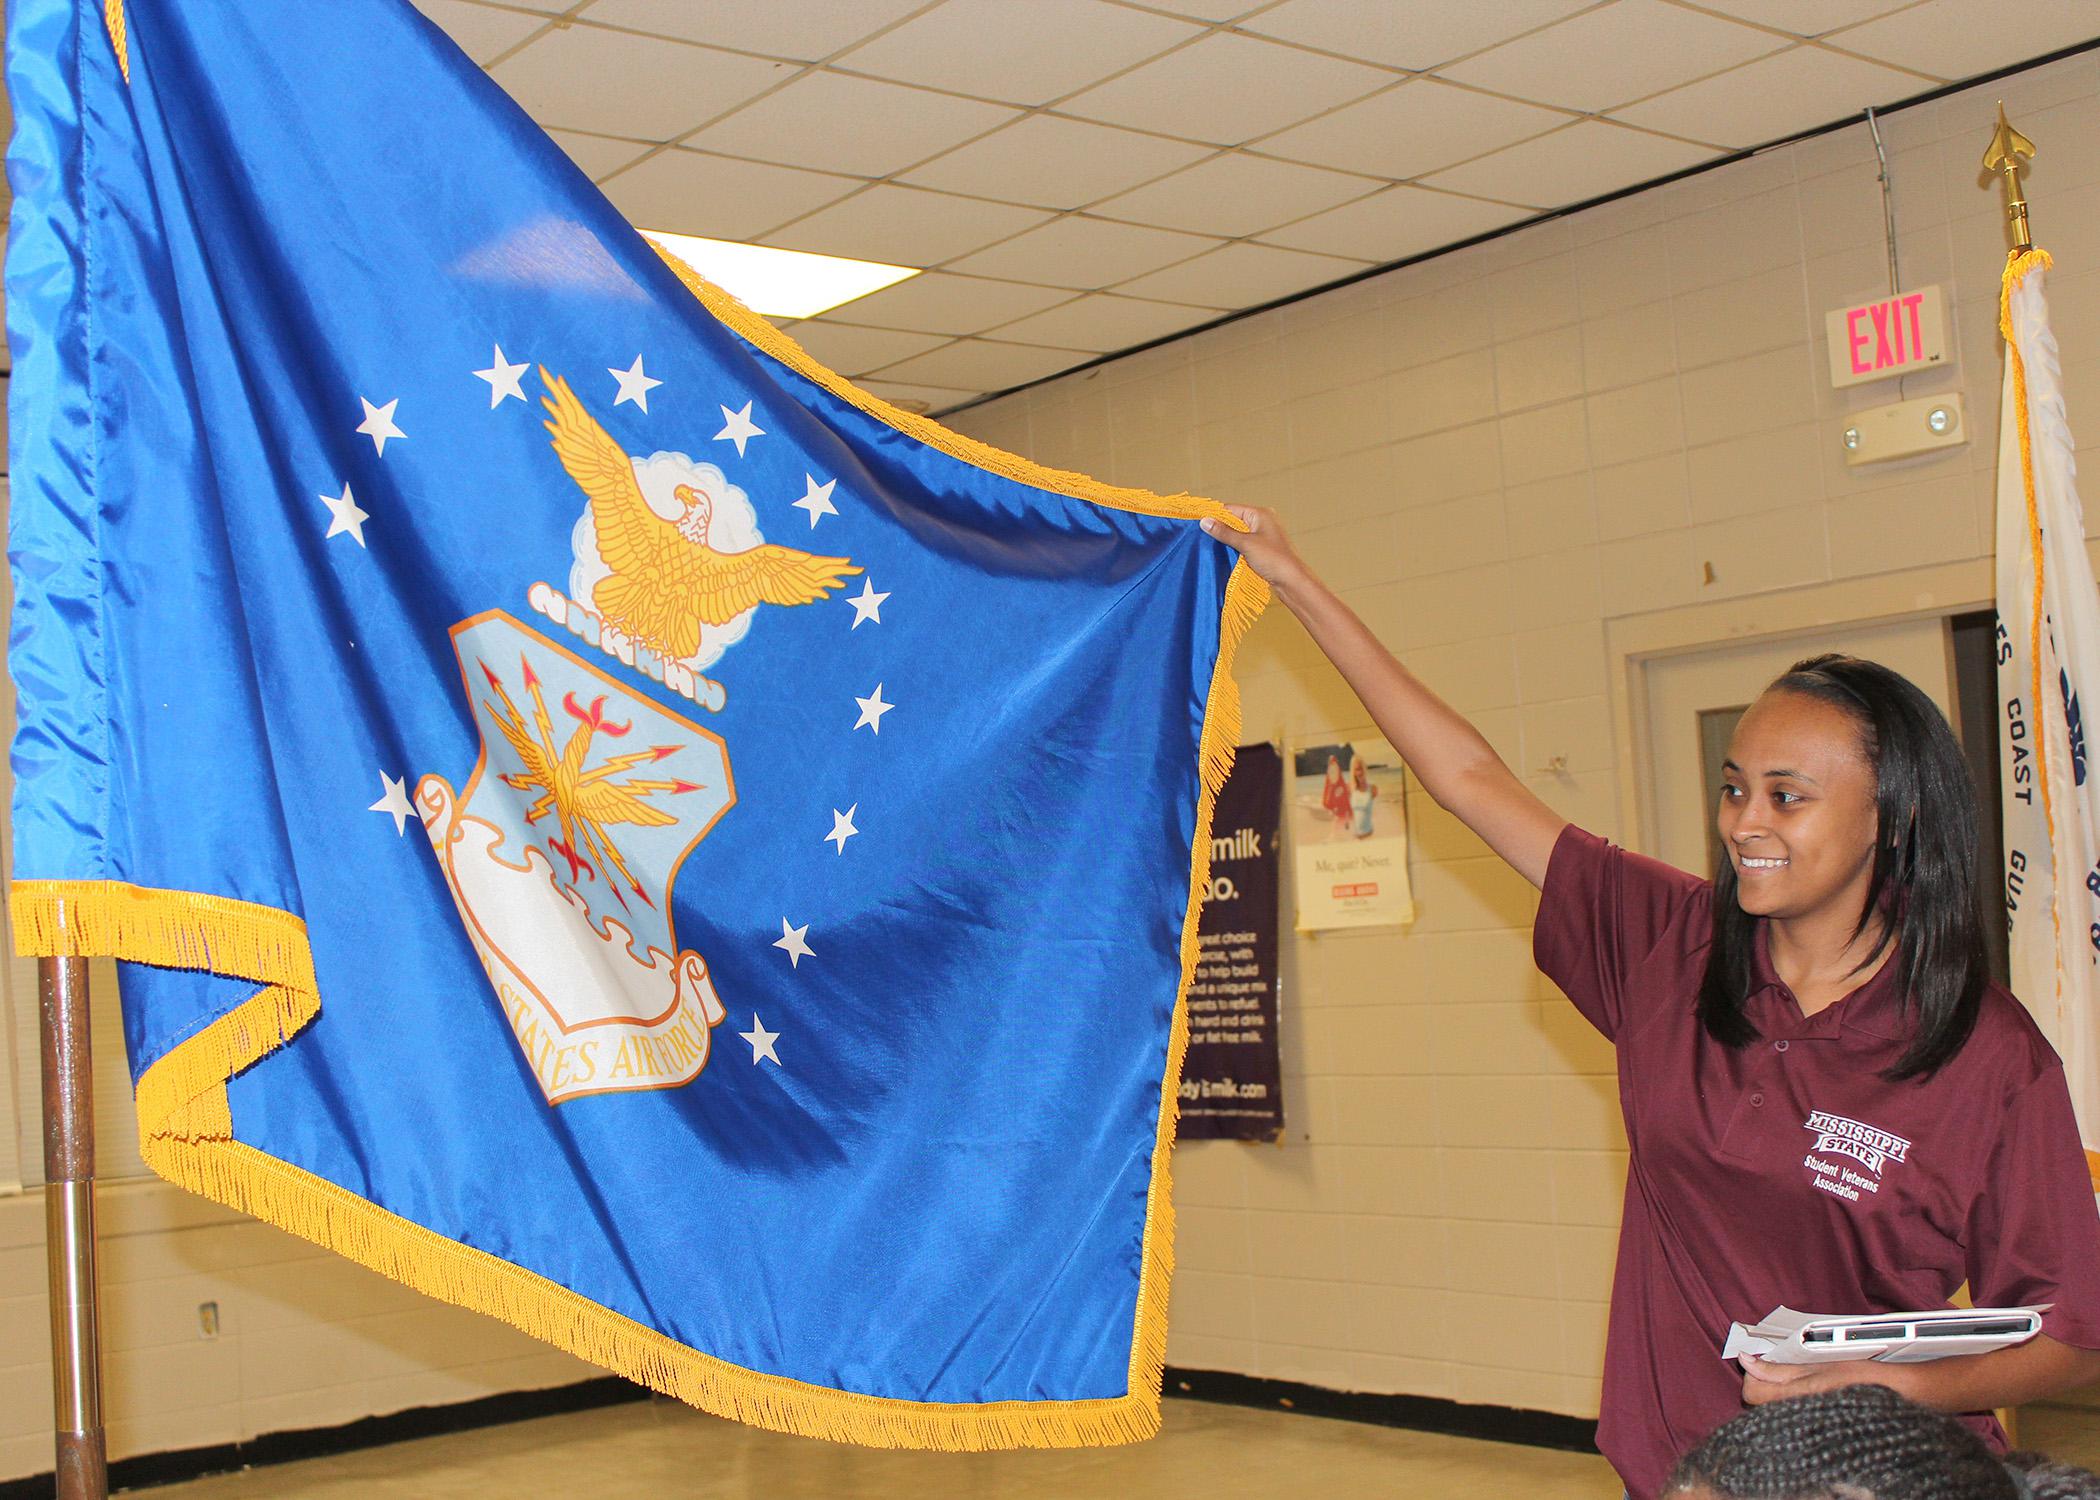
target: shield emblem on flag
<point>560,854</point>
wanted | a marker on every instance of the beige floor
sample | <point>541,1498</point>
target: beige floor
<point>662,1449</point>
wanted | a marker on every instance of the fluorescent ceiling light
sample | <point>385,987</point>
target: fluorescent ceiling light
<point>780,283</point>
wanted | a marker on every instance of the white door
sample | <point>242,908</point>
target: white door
<point>1695,698</point>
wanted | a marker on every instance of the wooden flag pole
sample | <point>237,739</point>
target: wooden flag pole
<point>69,1228</point>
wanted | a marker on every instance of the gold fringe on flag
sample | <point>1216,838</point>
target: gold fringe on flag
<point>113,19</point>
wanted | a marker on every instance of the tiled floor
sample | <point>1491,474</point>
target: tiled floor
<point>662,1449</point>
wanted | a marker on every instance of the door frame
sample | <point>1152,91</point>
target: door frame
<point>1632,641</point>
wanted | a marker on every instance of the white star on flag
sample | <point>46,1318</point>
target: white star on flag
<point>344,516</point>
<point>394,802</point>
<point>818,501</point>
<point>634,385</point>
<point>872,708</point>
<point>842,827</point>
<point>761,1041</point>
<point>794,941</point>
<point>738,428</point>
<point>378,424</point>
<point>867,604</point>
<point>502,377</point>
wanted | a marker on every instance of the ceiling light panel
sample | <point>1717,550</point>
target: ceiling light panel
<point>780,283</point>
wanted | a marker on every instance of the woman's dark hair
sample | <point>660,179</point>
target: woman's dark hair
<point>1923,888</point>
<point>1856,1442</point>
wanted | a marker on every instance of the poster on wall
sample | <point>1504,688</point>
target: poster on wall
<point>1232,1080</point>
<point>1349,835</point>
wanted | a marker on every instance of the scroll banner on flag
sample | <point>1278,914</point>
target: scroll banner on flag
<point>2048,671</point>
<point>603,820</point>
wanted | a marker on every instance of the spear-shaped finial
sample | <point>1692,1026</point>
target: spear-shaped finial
<point>2003,155</point>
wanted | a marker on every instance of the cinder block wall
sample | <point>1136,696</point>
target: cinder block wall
<point>1492,455</point>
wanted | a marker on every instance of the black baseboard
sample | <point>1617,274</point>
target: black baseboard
<point>1501,1424</point>
<point>368,1432</point>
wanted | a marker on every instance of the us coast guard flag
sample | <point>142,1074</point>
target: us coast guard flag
<point>607,823</point>
<point>2048,672</point>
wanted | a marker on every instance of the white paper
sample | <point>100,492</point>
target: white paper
<point>1779,1337</point>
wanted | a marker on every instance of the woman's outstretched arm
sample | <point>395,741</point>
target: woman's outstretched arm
<point>1447,754</point>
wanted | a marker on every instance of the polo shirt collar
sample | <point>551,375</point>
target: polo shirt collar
<point>1872,1010</point>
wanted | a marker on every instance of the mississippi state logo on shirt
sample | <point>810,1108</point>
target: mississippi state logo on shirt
<point>1871,1146</point>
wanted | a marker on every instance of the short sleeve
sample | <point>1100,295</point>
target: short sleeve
<point>2034,1234</point>
<point>1602,911</point>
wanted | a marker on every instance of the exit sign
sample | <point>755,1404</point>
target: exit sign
<point>1889,336</point>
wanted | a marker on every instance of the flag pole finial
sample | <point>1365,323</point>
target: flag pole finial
<point>2003,155</point>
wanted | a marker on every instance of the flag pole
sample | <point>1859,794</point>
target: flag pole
<point>69,1228</point>
<point>2003,155</point>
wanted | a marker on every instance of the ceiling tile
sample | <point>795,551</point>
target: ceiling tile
<point>1418,127</point>
<point>1236,195</point>
<point>1101,321</point>
<point>1054,162</point>
<point>800,31</point>
<point>1608,57</point>
<point>1227,89</point>
<point>617,84</point>
<point>942,302</point>
<point>1209,10</point>
<point>1242,275</point>
<point>1961,38</point>
<point>979,364</point>
<point>1408,36</point>
<point>723,197</point>
<point>853,351</point>
<point>1025,54</point>
<point>1572,165</point>
<point>1806,17</point>
<point>482,33</point>
<point>905,226</point>
<point>599,155</point>
<point>1084,253</point>
<point>1394,224</point>
<point>829,122</point>
<point>1773,97</point>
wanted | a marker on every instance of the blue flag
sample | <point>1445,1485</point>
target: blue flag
<point>604,821</point>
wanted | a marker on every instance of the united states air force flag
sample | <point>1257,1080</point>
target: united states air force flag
<point>2048,676</point>
<point>606,822</point>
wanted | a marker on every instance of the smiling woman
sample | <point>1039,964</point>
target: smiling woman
<point>1837,751</point>
<point>1827,1103</point>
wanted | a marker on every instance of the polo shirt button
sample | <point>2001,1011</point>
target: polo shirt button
<point>1780,1045</point>
<point>1757,1101</point>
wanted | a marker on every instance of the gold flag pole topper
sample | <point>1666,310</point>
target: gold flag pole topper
<point>2003,155</point>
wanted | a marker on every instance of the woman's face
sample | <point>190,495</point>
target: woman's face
<point>1797,812</point>
<point>1356,772</point>
<point>1334,769</point>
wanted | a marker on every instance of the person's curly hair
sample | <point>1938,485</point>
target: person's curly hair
<point>2045,1479</point>
<point>1860,1442</point>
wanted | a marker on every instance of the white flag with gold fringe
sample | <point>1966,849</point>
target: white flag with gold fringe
<point>2048,669</point>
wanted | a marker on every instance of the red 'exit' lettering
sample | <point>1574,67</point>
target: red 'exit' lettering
<point>1876,333</point>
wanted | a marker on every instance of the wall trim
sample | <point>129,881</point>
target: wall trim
<point>1496,1424</point>
<point>1500,1424</point>
<point>148,1469</point>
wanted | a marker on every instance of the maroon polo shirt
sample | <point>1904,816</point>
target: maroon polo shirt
<point>1790,1172</point>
